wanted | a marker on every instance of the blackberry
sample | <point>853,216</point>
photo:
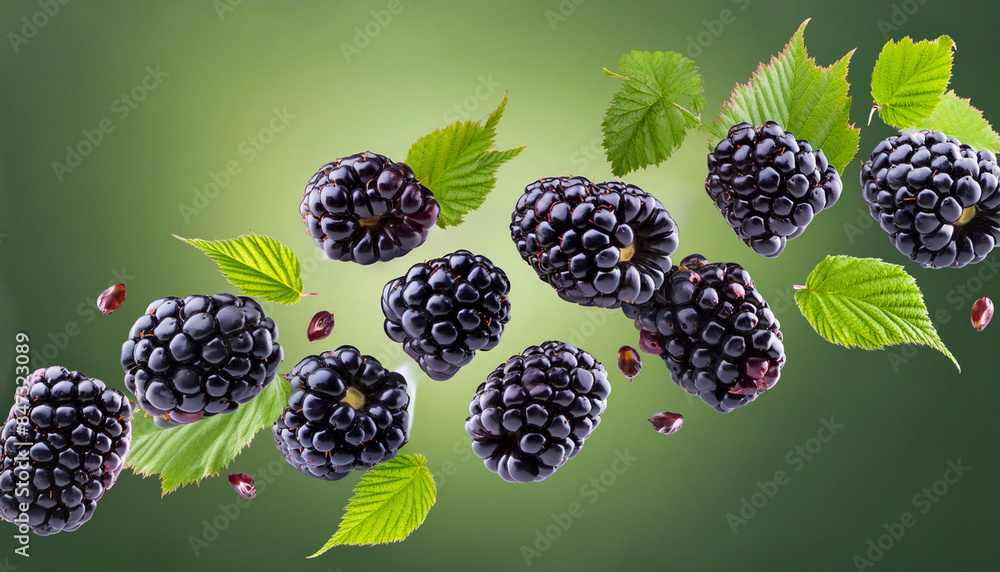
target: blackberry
<point>446,309</point>
<point>199,356</point>
<point>535,411</point>
<point>345,412</point>
<point>936,198</point>
<point>769,185</point>
<point>714,331</point>
<point>596,244</point>
<point>364,208</point>
<point>73,443</point>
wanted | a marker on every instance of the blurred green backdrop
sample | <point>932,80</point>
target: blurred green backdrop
<point>177,94</point>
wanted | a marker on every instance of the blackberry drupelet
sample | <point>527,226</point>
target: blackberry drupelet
<point>769,185</point>
<point>364,208</point>
<point>446,309</point>
<point>596,244</point>
<point>74,446</point>
<point>714,331</point>
<point>199,356</point>
<point>535,411</point>
<point>345,412</point>
<point>936,198</point>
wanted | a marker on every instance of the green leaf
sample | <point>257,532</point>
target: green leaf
<point>256,264</point>
<point>660,99</point>
<point>910,78</point>
<point>189,453</point>
<point>391,501</point>
<point>957,118</point>
<point>810,101</point>
<point>459,165</point>
<point>867,303</point>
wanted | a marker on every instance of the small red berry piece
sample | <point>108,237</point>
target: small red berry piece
<point>243,483</point>
<point>666,422</point>
<point>629,362</point>
<point>982,313</point>
<point>111,299</point>
<point>320,326</point>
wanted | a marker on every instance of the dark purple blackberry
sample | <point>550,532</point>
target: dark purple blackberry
<point>936,198</point>
<point>534,412</point>
<point>769,185</point>
<point>67,453</point>
<point>365,208</point>
<point>714,331</point>
<point>446,309</point>
<point>596,244</point>
<point>199,356</point>
<point>345,412</point>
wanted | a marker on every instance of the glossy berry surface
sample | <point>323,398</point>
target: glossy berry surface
<point>535,411</point>
<point>67,454</point>
<point>345,413</point>
<point>364,208</point>
<point>445,310</point>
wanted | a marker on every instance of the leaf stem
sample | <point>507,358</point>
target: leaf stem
<point>682,108</point>
<point>617,75</point>
<point>798,287</point>
<point>872,113</point>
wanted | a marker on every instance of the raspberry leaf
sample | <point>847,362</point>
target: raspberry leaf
<point>459,165</point>
<point>867,303</point>
<point>909,79</point>
<point>956,117</point>
<point>391,501</point>
<point>660,99</point>
<point>256,264</point>
<point>189,453</point>
<point>810,101</point>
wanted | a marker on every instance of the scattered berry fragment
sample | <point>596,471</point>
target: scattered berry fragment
<point>320,326</point>
<point>629,362</point>
<point>111,299</point>
<point>667,423</point>
<point>982,313</point>
<point>243,483</point>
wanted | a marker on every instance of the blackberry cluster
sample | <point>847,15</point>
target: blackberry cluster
<point>74,443</point>
<point>769,185</point>
<point>534,412</point>
<point>365,208</point>
<point>936,198</point>
<point>446,309</point>
<point>345,412</point>
<point>199,356</point>
<point>714,331</point>
<point>596,244</point>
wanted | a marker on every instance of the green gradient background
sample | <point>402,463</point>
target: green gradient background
<point>902,422</point>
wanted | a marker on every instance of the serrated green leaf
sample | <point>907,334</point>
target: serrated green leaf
<point>910,78</point>
<point>956,117</point>
<point>867,303</point>
<point>810,101</point>
<point>458,164</point>
<point>391,501</point>
<point>660,99</point>
<point>256,264</point>
<point>189,453</point>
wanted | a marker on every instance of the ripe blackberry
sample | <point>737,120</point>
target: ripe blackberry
<point>769,185</point>
<point>596,244</point>
<point>446,309</point>
<point>345,412</point>
<point>199,356</point>
<point>68,452</point>
<point>936,198</point>
<point>364,208</point>
<point>714,331</point>
<point>534,412</point>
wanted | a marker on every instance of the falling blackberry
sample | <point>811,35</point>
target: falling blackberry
<point>769,185</point>
<point>446,309</point>
<point>199,356</point>
<point>364,208</point>
<point>535,411</point>
<point>936,198</point>
<point>345,412</point>
<point>68,453</point>
<point>596,244</point>
<point>714,331</point>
